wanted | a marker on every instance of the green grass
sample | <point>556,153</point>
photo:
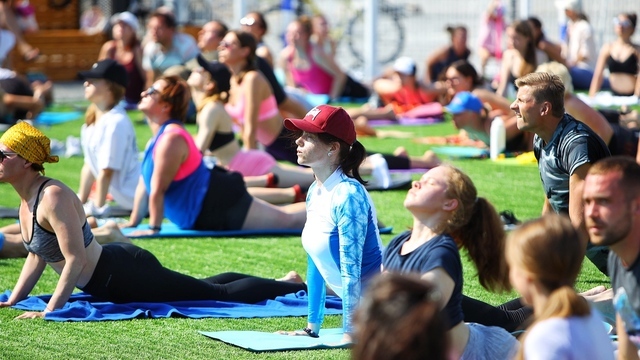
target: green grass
<point>516,188</point>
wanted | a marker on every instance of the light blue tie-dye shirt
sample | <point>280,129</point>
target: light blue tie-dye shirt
<point>343,244</point>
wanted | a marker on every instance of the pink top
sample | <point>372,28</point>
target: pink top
<point>193,159</point>
<point>314,79</point>
<point>268,109</point>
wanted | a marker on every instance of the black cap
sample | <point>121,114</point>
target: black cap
<point>219,73</point>
<point>107,69</point>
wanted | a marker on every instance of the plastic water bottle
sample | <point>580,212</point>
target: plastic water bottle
<point>497,139</point>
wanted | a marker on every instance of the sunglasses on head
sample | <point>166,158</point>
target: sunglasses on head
<point>247,21</point>
<point>5,154</point>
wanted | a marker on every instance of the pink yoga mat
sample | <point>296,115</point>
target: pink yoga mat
<point>406,121</point>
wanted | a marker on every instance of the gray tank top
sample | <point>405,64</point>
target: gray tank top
<point>44,243</point>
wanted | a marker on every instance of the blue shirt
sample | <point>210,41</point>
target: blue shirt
<point>343,244</point>
<point>183,48</point>
<point>183,198</point>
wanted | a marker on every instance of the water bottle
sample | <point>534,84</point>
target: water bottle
<point>497,139</point>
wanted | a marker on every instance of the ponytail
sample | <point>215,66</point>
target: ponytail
<point>483,237</point>
<point>351,159</point>
<point>563,302</point>
<point>550,250</point>
<point>476,226</point>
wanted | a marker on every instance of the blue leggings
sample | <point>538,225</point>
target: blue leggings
<point>127,273</point>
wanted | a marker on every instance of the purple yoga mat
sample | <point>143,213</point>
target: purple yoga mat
<point>406,121</point>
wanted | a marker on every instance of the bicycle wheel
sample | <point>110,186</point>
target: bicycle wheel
<point>200,12</point>
<point>390,33</point>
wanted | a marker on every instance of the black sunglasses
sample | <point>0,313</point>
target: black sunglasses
<point>4,155</point>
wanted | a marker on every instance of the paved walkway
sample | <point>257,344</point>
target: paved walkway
<point>68,92</point>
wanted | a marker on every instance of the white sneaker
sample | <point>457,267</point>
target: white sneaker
<point>73,147</point>
<point>90,209</point>
<point>380,176</point>
<point>57,147</point>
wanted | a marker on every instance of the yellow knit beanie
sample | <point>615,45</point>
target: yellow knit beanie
<point>29,142</point>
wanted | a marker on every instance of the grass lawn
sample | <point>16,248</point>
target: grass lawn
<point>515,188</point>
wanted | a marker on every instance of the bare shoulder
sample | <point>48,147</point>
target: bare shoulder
<point>57,199</point>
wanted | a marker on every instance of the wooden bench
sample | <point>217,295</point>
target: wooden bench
<point>62,53</point>
<point>56,17</point>
<point>64,49</point>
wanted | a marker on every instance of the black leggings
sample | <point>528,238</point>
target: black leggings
<point>509,316</point>
<point>127,273</point>
<point>283,147</point>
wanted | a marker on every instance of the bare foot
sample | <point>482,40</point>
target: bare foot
<point>385,134</point>
<point>110,233</point>
<point>430,157</point>
<point>401,151</point>
<point>431,140</point>
<point>292,277</point>
<point>362,127</point>
<point>594,291</point>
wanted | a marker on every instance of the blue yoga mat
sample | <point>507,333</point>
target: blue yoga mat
<point>170,230</point>
<point>317,99</point>
<point>258,341</point>
<point>461,151</point>
<point>52,118</point>
<point>83,307</point>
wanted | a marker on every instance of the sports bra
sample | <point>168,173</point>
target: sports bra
<point>194,158</point>
<point>629,66</point>
<point>221,139</point>
<point>314,79</point>
<point>268,109</point>
<point>44,243</point>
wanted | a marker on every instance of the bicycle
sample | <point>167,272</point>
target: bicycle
<point>349,27</point>
<point>188,12</point>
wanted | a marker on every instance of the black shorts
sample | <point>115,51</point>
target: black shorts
<point>623,141</point>
<point>283,147</point>
<point>226,203</point>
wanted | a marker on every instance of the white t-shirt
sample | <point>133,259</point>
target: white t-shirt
<point>581,44</point>
<point>110,143</point>
<point>581,338</point>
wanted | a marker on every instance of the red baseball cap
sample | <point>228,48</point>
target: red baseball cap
<point>326,119</point>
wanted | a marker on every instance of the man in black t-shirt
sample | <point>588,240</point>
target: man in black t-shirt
<point>611,199</point>
<point>564,147</point>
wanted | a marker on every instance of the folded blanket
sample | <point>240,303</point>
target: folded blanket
<point>83,307</point>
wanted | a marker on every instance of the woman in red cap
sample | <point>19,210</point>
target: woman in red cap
<point>341,234</point>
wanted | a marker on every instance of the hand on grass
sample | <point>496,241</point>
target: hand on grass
<point>31,315</point>
<point>148,232</point>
